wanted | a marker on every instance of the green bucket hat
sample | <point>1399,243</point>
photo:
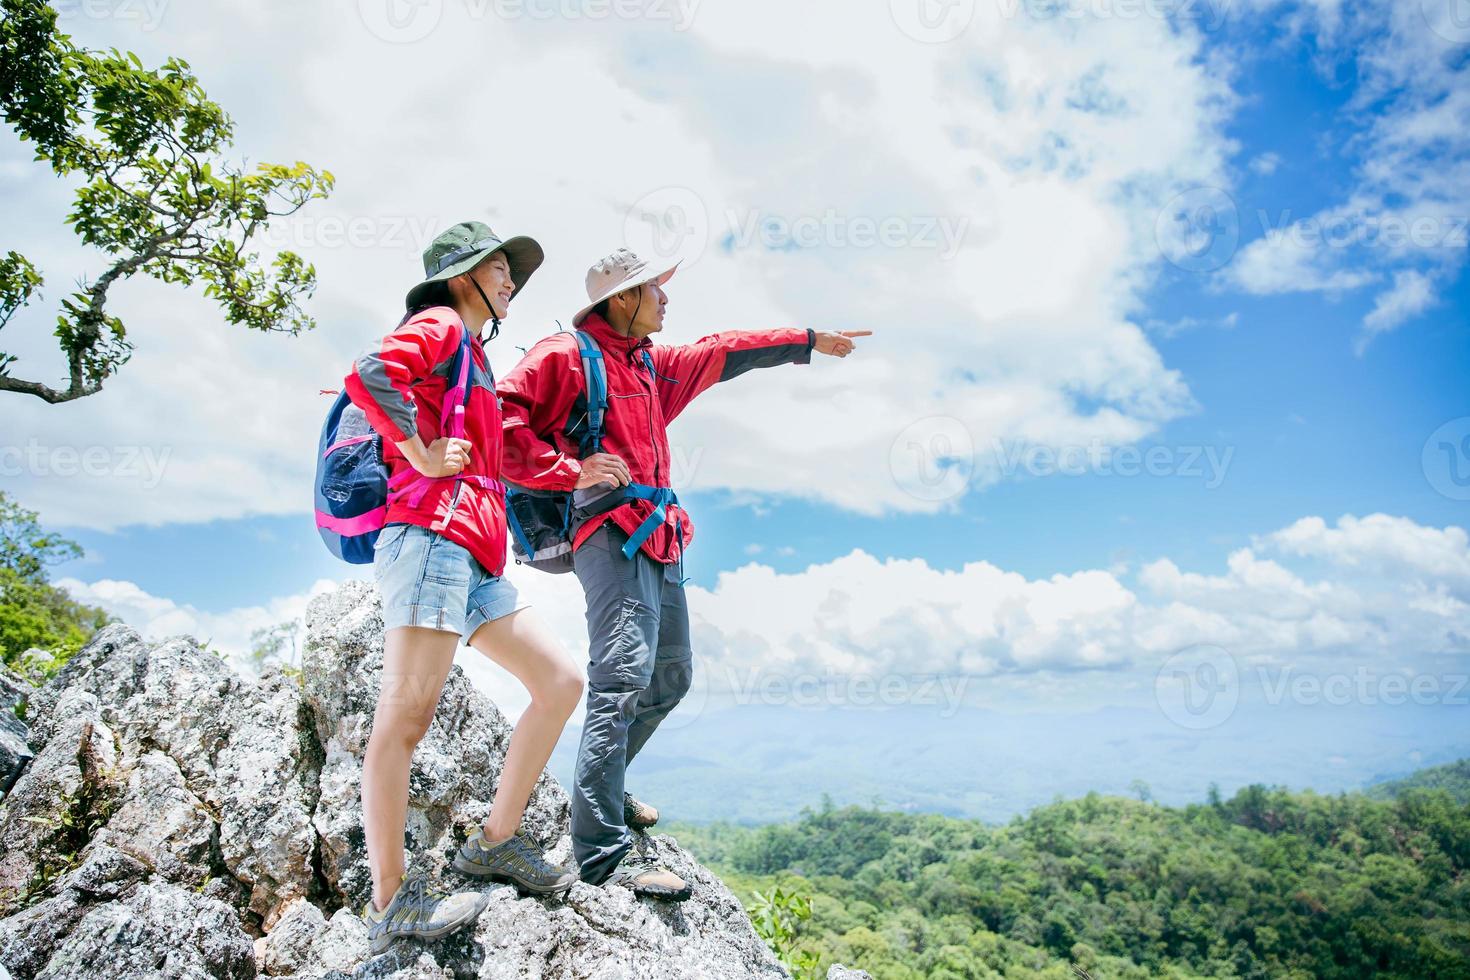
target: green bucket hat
<point>465,246</point>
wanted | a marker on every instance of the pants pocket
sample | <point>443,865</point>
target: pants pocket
<point>627,659</point>
<point>387,550</point>
<point>447,563</point>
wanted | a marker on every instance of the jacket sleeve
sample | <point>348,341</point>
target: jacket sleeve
<point>689,369</point>
<point>535,399</point>
<point>381,379</point>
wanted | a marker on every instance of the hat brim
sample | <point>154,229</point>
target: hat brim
<point>524,254</point>
<point>660,278</point>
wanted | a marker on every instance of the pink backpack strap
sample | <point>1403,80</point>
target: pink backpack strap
<point>456,396</point>
<point>415,485</point>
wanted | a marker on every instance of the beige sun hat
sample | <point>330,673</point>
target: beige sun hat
<point>616,272</point>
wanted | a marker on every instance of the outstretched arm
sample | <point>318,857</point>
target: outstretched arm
<point>689,369</point>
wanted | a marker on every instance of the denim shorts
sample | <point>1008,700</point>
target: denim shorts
<point>427,580</point>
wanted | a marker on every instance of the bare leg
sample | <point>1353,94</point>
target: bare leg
<point>415,662</point>
<point>523,645</point>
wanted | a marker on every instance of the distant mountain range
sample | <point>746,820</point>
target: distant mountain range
<point>764,764</point>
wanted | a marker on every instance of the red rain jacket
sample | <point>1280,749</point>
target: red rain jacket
<point>401,387</point>
<point>544,400</point>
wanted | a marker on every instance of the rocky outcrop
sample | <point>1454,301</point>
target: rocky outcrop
<point>15,753</point>
<point>178,820</point>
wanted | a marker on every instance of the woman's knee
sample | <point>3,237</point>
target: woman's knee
<point>560,690</point>
<point>402,728</point>
<point>565,689</point>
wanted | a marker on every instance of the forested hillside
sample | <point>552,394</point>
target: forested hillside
<point>1453,779</point>
<point>1268,884</point>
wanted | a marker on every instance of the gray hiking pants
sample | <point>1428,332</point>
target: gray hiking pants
<point>641,666</point>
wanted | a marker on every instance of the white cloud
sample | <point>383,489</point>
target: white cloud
<point>1407,129</point>
<point>1394,590</point>
<point>1382,542</point>
<point>1412,294</point>
<point>1049,144</point>
<point>1173,328</point>
<point>158,618</point>
<point>857,614</point>
<point>1292,258</point>
<point>1265,164</point>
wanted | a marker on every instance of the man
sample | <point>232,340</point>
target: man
<point>629,558</point>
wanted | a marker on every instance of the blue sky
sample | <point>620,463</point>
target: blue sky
<point>1313,374</point>
<point>1312,426</point>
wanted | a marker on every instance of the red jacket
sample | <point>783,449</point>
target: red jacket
<point>544,400</point>
<point>401,387</point>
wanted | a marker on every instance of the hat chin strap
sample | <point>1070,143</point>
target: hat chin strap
<point>494,320</point>
<point>634,318</point>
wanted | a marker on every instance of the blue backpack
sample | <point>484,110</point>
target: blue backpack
<point>352,484</point>
<point>543,522</point>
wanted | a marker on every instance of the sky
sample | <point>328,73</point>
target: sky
<point>1169,312</point>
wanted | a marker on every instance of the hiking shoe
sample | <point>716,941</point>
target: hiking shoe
<point>639,816</point>
<point>644,877</point>
<point>516,860</point>
<point>418,910</point>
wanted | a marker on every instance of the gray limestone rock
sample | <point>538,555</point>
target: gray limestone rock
<point>179,820</point>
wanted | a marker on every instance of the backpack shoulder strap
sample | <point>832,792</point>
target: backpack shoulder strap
<point>594,374</point>
<point>457,394</point>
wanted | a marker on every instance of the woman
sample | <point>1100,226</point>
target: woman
<point>438,565</point>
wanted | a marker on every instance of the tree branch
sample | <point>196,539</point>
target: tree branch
<point>46,392</point>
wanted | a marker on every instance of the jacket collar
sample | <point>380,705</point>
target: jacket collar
<point>610,340</point>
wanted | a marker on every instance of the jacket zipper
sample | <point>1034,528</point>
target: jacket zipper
<point>652,437</point>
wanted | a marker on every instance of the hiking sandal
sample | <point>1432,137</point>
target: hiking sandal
<point>639,816</point>
<point>643,877</point>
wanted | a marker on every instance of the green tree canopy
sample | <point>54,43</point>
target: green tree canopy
<point>33,612</point>
<point>158,198</point>
<point>1266,885</point>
